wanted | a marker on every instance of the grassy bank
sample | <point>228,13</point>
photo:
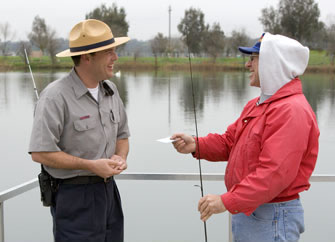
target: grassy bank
<point>318,62</point>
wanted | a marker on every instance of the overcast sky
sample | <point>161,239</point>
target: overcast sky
<point>147,17</point>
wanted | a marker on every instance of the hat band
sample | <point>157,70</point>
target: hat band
<point>92,46</point>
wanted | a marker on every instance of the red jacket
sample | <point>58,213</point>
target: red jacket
<point>271,150</point>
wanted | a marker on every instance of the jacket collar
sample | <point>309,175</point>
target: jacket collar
<point>291,88</point>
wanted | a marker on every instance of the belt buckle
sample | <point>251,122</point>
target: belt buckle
<point>105,180</point>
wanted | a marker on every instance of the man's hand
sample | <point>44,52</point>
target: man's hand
<point>210,204</point>
<point>123,163</point>
<point>184,144</point>
<point>106,167</point>
<point>102,167</point>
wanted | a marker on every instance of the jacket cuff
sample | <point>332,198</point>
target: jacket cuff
<point>229,203</point>
<point>196,153</point>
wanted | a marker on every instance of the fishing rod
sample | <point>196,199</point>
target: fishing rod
<point>31,73</point>
<point>196,128</point>
<point>45,181</point>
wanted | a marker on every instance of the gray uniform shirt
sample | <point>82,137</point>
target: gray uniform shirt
<point>67,118</point>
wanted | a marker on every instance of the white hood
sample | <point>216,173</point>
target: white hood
<point>281,59</point>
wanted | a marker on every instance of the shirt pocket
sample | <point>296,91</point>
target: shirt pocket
<point>85,124</point>
<point>114,116</point>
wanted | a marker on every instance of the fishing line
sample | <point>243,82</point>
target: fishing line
<point>196,128</point>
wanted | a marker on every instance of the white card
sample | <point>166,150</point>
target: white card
<point>166,140</point>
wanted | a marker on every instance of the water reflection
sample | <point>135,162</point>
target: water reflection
<point>208,86</point>
<point>319,88</point>
<point>121,84</point>
<point>3,91</point>
<point>160,103</point>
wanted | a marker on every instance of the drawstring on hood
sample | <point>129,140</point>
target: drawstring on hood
<point>281,59</point>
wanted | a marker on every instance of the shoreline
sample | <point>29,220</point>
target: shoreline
<point>167,67</point>
<point>149,64</point>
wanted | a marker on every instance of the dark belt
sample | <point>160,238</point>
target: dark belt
<point>81,180</point>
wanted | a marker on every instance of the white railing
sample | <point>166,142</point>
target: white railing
<point>18,190</point>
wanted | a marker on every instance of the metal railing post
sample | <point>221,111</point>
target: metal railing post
<point>2,224</point>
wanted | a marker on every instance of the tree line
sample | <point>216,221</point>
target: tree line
<point>299,19</point>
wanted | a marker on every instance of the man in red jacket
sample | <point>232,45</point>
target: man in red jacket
<point>271,148</point>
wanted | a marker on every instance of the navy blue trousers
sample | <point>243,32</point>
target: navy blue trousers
<point>88,213</point>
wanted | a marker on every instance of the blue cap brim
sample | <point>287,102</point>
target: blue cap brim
<point>248,50</point>
<point>254,49</point>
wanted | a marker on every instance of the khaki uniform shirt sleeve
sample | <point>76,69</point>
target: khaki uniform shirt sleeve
<point>123,130</point>
<point>47,127</point>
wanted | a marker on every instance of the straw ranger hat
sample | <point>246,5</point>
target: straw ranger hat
<point>90,36</point>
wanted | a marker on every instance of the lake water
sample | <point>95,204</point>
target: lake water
<point>158,105</point>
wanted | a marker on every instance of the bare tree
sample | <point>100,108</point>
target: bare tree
<point>6,35</point>
<point>39,34</point>
<point>137,54</point>
<point>20,51</point>
<point>44,37</point>
<point>331,42</point>
<point>238,38</point>
<point>53,44</point>
<point>177,46</point>
<point>228,46</point>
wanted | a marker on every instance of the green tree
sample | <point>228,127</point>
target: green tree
<point>159,45</point>
<point>271,20</point>
<point>39,34</point>
<point>214,41</point>
<point>298,19</point>
<point>192,27</point>
<point>114,17</point>
<point>318,40</point>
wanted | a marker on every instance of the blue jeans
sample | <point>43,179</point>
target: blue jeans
<point>270,222</point>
